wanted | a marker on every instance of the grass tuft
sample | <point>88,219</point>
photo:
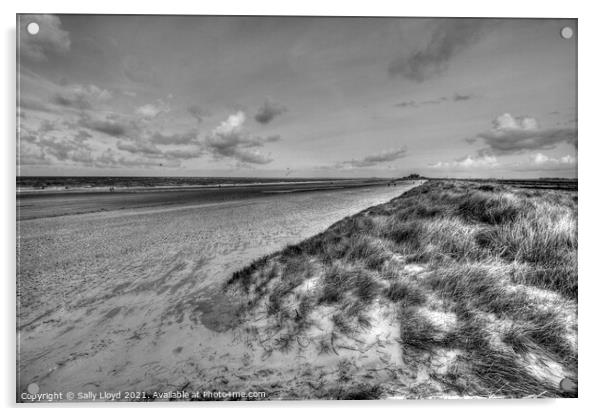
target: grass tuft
<point>481,276</point>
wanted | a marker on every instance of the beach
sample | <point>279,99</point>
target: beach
<point>130,297</point>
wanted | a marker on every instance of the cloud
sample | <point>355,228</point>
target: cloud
<point>197,112</point>
<point>50,40</point>
<point>462,97</point>
<point>231,141</point>
<point>111,159</point>
<point>435,101</point>
<point>175,138</point>
<point>82,135</point>
<point>468,162</point>
<point>150,111</point>
<point>268,111</point>
<point>541,159</point>
<point>65,148</point>
<point>374,159</point>
<point>449,38</point>
<point>146,155</point>
<point>111,126</point>
<point>81,97</point>
<point>405,104</point>
<point>29,152</point>
<point>190,152</point>
<point>47,126</point>
<point>159,145</point>
<point>49,143</point>
<point>139,147</point>
<point>510,135</point>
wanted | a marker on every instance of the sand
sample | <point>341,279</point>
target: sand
<point>131,299</point>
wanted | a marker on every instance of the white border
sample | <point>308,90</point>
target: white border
<point>589,184</point>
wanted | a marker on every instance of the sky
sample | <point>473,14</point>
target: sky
<point>296,96</point>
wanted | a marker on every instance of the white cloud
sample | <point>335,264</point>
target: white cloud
<point>468,162</point>
<point>538,159</point>
<point>511,134</point>
<point>230,140</point>
<point>541,159</point>
<point>150,111</point>
<point>231,125</point>
<point>568,159</point>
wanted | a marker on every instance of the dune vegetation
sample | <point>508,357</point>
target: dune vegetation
<point>453,289</point>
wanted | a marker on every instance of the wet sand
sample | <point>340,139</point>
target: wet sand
<point>49,203</point>
<point>130,298</point>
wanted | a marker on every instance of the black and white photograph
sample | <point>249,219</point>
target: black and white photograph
<point>278,207</point>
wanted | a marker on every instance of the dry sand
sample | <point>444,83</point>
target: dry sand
<point>131,300</point>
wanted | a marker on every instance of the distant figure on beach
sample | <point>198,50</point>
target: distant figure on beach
<point>112,189</point>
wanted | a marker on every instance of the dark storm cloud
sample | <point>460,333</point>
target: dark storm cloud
<point>229,140</point>
<point>52,39</point>
<point>375,159</point>
<point>510,135</point>
<point>449,38</point>
<point>268,111</point>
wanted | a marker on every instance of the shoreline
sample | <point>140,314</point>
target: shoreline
<point>54,204</point>
<point>150,188</point>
